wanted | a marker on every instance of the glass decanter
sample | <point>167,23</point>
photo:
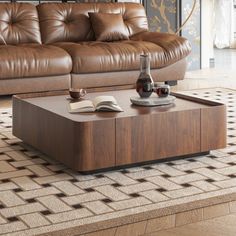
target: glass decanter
<point>144,82</point>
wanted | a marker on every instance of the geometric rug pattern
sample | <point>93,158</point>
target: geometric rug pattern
<point>40,196</point>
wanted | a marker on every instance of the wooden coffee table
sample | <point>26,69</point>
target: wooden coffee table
<point>93,141</point>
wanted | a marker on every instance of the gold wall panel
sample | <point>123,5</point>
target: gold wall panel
<point>162,15</point>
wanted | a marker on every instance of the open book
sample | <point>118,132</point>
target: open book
<point>100,103</point>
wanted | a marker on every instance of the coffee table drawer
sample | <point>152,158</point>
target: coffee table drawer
<point>152,137</point>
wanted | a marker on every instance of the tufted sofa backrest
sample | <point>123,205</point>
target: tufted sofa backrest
<point>19,23</point>
<point>69,22</point>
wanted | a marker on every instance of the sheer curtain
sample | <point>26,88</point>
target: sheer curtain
<point>224,23</point>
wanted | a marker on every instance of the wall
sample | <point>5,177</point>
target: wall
<point>162,15</point>
<point>192,31</point>
<point>207,33</point>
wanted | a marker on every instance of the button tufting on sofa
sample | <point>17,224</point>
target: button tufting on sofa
<point>56,41</point>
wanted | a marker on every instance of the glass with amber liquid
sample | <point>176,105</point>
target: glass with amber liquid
<point>144,82</point>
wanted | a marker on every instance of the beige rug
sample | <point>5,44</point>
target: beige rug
<point>39,196</point>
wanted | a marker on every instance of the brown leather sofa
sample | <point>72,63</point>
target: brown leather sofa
<point>42,47</point>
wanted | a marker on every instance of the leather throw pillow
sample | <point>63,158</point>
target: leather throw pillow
<point>108,27</point>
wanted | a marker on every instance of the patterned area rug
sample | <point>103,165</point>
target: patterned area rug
<point>41,196</point>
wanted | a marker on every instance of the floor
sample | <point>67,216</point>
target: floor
<point>39,195</point>
<point>5,101</point>
<point>221,76</point>
<point>220,226</point>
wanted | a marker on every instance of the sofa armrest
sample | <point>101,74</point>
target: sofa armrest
<point>174,45</point>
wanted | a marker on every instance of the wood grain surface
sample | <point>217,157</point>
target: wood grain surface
<point>98,140</point>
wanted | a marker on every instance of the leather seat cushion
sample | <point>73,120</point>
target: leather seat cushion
<point>93,57</point>
<point>174,46</point>
<point>33,60</point>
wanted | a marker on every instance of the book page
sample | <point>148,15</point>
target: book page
<point>84,106</point>
<point>104,100</point>
<point>111,107</point>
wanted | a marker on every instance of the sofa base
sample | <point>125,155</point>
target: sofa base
<point>107,80</point>
<point>36,84</point>
<point>173,72</point>
<point>172,82</point>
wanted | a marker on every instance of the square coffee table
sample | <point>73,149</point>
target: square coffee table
<point>92,141</point>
